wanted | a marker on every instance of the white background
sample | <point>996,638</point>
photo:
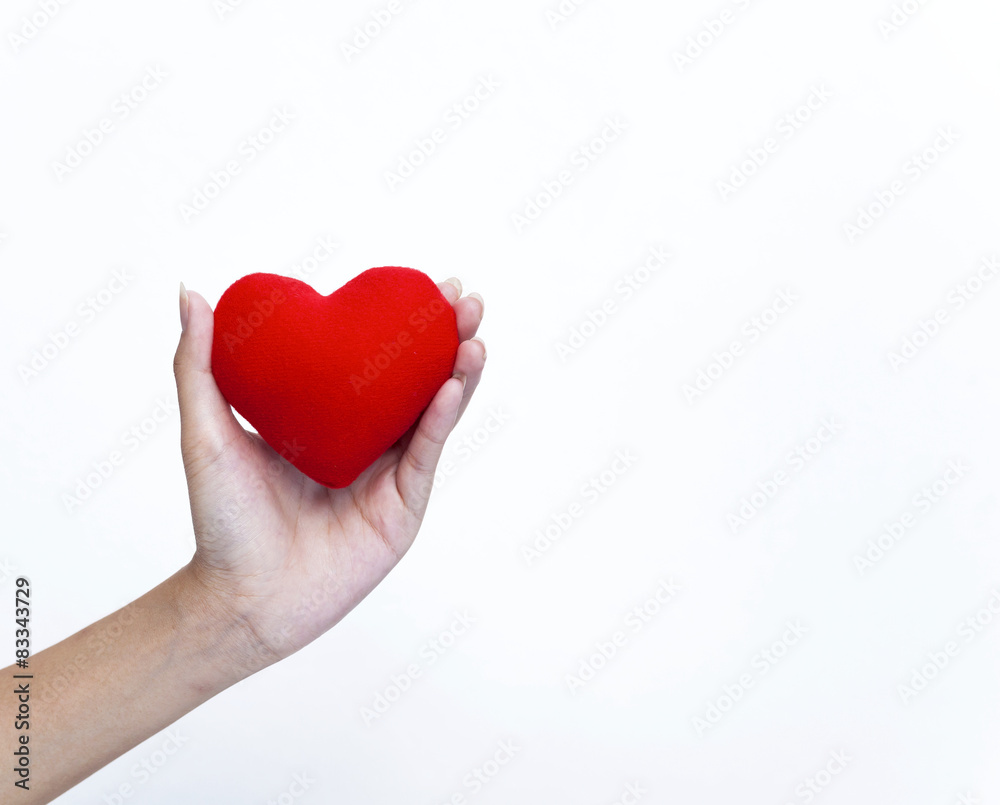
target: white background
<point>668,516</point>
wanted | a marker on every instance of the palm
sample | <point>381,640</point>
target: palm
<point>294,556</point>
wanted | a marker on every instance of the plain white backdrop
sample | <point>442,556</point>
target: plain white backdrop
<point>843,155</point>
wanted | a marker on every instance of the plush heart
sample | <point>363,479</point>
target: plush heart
<point>330,382</point>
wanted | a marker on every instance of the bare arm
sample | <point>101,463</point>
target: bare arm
<point>107,688</point>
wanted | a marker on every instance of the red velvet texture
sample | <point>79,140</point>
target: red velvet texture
<point>331,382</point>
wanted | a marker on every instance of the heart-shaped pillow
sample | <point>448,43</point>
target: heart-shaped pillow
<point>330,382</point>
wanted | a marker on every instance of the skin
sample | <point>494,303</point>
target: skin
<point>279,560</point>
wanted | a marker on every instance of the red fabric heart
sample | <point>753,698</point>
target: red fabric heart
<point>330,382</point>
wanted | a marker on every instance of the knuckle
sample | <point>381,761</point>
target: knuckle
<point>178,361</point>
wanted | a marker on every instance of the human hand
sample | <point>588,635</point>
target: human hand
<point>280,558</point>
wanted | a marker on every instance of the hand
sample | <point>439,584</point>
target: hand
<point>279,556</point>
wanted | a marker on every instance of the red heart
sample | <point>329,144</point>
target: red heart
<point>330,382</point>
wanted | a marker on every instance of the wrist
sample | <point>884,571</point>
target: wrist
<point>220,628</point>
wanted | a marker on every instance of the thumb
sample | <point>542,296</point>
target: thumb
<point>207,421</point>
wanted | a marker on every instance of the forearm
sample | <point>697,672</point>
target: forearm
<point>105,689</point>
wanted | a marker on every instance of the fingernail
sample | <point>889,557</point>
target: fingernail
<point>456,282</point>
<point>461,376</point>
<point>482,303</point>
<point>184,308</point>
<point>477,338</point>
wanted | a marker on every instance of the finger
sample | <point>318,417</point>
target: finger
<point>415,475</point>
<point>451,289</point>
<point>206,417</point>
<point>469,312</point>
<point>468,316</point>
<point>470,361</point>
